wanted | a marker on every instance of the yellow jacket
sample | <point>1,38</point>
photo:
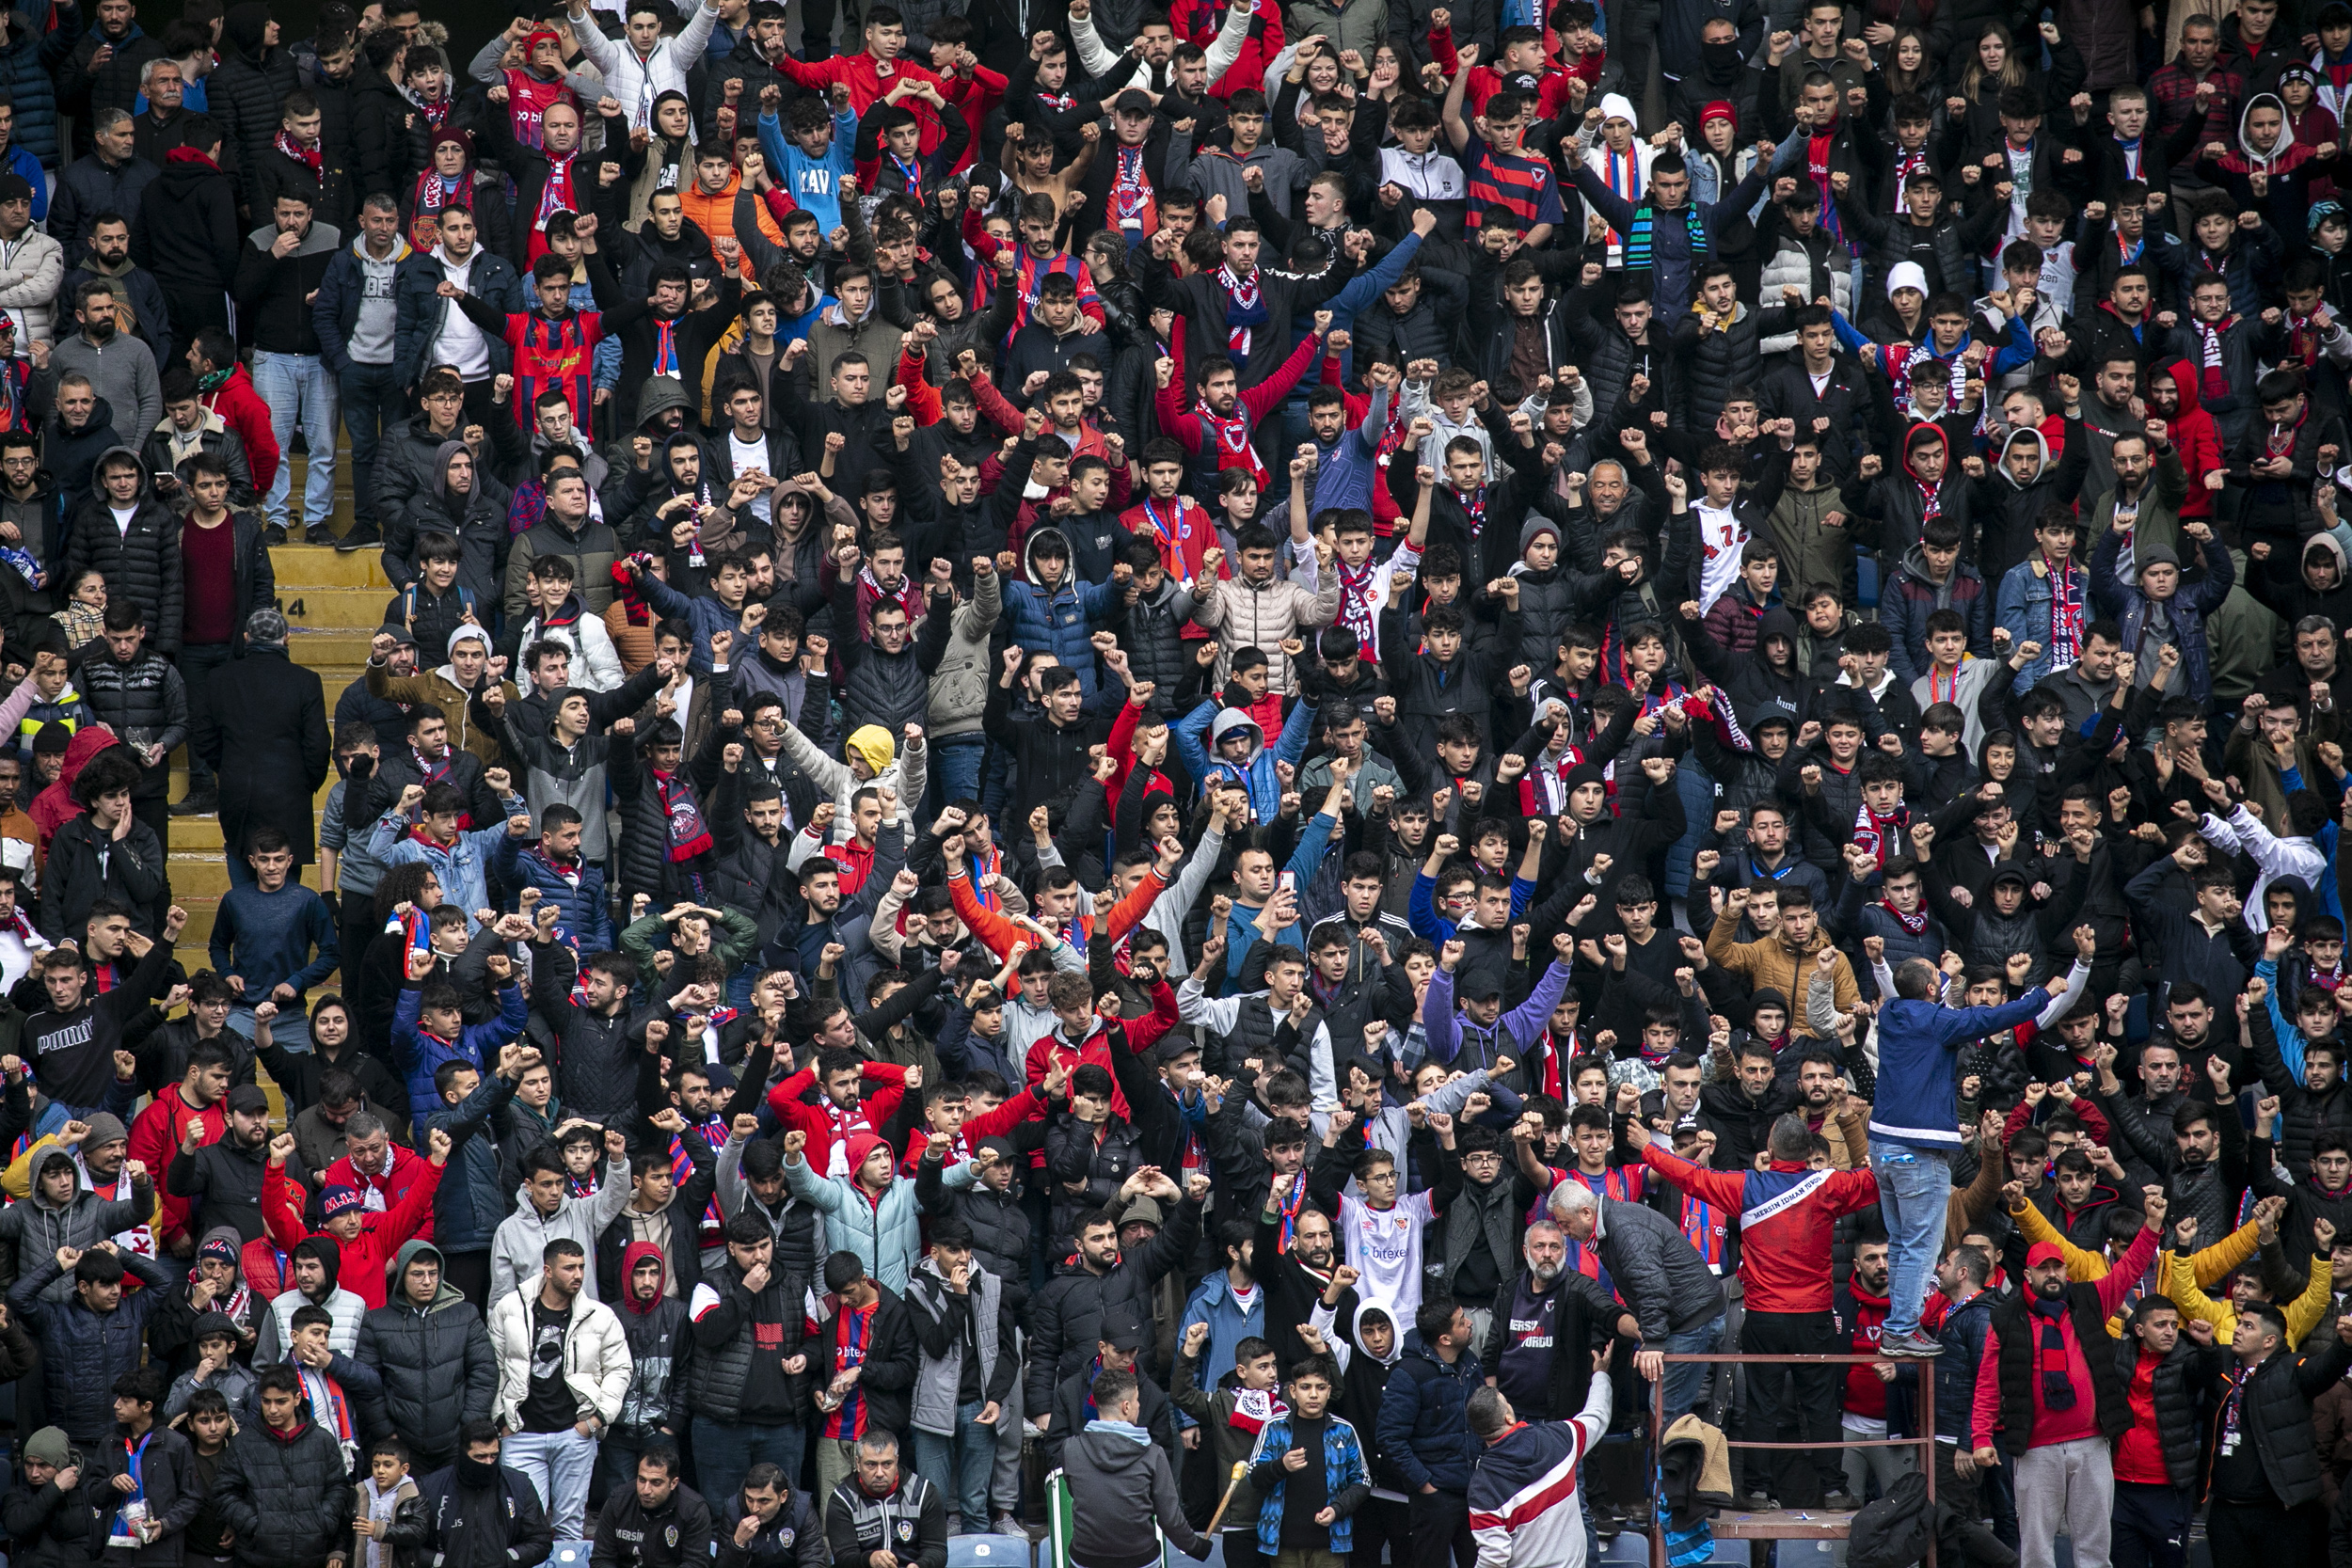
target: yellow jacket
<point>2208,1266</point>
<point>2303,1314</point>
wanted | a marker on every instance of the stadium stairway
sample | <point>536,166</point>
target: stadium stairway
<point>333,604</point>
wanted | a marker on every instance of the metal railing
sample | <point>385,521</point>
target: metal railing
<point>1785,1524</point>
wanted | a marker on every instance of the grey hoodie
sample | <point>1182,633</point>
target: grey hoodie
<point>1116,1483</point>
<point>36,1227</point>
<point>524,1235</point>
<point>370,339</point>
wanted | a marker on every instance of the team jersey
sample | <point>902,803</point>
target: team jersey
<point>1384,1247</point>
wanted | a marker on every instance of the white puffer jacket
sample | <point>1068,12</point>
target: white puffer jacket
<point>597,1362</point>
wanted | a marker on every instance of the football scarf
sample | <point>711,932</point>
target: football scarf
<point>1244,309</point>
<point>312,158</point>
<point>1879,834</point>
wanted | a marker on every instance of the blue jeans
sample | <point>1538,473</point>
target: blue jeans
<point>960,1466</point>
<point>1686,1381</point>
<point>372,405</point>
<point>955,770</point>
<point>559,1465</point>
<point>723,1453</point>
<point>297,388</point>
<point>1914,1184</point>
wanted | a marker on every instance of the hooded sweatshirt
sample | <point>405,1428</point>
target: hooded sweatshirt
<point>657,1394</point>
<point>370,341</point>
<point>2196,436</point>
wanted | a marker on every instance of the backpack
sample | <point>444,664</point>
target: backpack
<point>1892,1532</point>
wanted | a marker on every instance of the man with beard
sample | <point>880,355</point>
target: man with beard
<point>121,370</point>
<point>2049,1393</point>
<point>138,297</point>
<point>2202,1163</point>
<point>2148,1113</point>
<point>1297,1280</point>
<point>226,1173</point>
<point>479,1510</point>
<point>1548,1321</point>
<point>1860,1307</point>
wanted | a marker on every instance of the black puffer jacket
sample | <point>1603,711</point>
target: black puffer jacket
<point>2304,1115</point>
<point>1002,1237</point>
<point>1547,610</point>
<point>885,689</point>
<point>1609,358</point>
<point>438,1368</point>
<point>1712,363</point>
<point>83,1352</point>
<point>290,1501</point>
<point>2280,1392</point>
<point>719,1366</point>
<point>143,702</point>
<point>141,563</point>
<point>1074,1153</point>
<point>381,145</point>
<point>246,92</point>
<point>2178,1390</point>
<point>1153,637</point>
<point>407,465</point>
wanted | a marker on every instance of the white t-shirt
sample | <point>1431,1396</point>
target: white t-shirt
<point>1721,537</point>
<point>1384,1247</point>
<point>460,342</point>
<point>122,518</point>
<point>749,455</point>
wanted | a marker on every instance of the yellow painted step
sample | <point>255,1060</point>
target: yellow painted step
<point>330,648</point>
<point>334,609</point>
<point>301,566</point>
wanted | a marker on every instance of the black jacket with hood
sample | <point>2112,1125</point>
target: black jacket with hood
<point>439,1368</point>
<point>142,562</point>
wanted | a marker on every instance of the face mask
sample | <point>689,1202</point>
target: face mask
<point>1721,59</point>
<point>474,1475</point>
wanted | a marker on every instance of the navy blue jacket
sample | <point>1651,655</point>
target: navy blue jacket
<point>1423,1431</point>
<point>416,295</point>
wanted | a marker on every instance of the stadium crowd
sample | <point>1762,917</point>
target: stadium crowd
<point>1178,771</point>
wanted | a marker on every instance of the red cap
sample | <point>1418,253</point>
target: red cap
<point>1720,109</point>
<point>2044,1252</point>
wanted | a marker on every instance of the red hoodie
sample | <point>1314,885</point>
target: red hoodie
<point>2196,438</point>
<point>236,402</point>
<point>632,1254</point>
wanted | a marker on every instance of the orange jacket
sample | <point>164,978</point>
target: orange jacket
<point>715,214</point>
<point>1000,934</point>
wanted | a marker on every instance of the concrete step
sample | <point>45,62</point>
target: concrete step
<point>333,647</point>
<point>334,609</point>
<point>204,874</point>
<point>300,568</point>
<point>180,785</point>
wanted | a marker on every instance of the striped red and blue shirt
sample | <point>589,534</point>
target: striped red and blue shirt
<point>1525,188</point>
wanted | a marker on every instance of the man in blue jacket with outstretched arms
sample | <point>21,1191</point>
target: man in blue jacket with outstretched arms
<point>1915,1123</point>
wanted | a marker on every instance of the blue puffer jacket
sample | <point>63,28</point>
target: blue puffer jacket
<point>469,1205</point>
<point>28,67</point>
<point>421,1055</point>
<point>583,909</point>
<point>1423,1431</point>
<point>1059,620</point>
